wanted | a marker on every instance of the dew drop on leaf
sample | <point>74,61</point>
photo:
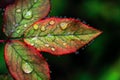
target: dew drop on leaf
<point>32,44</point>
<point>35,26</point>
<point>52,22</point>
<point>25,25</point>
<point>18,31</point>
<point>63,25</point>
<point>18,10</point>
<point>35,0</point>
<point>53,49</point>
<point>26,68</point>
<point>27,14</point>
<point>43,28</point>
<point>64,44</point>
<point>47,45</point>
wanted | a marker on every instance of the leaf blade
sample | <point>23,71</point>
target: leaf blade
<point>59,36</point>
<point>25,63</point>
<point>20,15</point>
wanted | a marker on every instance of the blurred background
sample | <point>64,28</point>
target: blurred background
<point>100,59</point>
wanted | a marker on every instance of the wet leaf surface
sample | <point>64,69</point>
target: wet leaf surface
<point>23,13</point>
<point>25,63</point>
<point>59,35</point>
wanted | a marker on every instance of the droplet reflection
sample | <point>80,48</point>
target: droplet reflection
<point>26,68</point>
<point>27,14</point>
<point>63,25</point>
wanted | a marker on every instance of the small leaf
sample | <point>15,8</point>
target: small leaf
<point>23,13</point>
<point>25,63</point>
<point>59,36</point>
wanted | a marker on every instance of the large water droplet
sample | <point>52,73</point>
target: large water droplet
<point>43,28</point>
<point>63,25</point>
<point>26,68</point>
<point>52,22</point>
<point>35,26</point>
<point>27,14</point>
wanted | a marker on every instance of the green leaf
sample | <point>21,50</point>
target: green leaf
<point>23,13</point>
<point>59,36</point>
<point>25,63</point>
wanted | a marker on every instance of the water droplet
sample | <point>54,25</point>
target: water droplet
<point>18,31</point>
<point>32,44</point>
<point>25,25</point>
<point>64,44</point>
<point>68,33</point>
<point>53,49</point>
<point>47,45</point>
<point>35,26</point>
<point>43,28</point>
<point>18,10</point>
<point>52,22</point>
<point>34,38</point>
<point>63,25</point>
<point>26,68</point>
<point>35,0</point>
<point>27,14</point>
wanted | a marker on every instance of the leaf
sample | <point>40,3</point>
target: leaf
<point>23,13</point>
<point>25,63</point>
<point>59,36</point>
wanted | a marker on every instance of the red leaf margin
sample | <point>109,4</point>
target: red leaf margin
<point>66,51</point>
<point>14,3</point>
<point>32,48</point>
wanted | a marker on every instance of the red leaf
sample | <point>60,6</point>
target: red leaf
<point>25,63</point>
<point>23,13</point>
<point>59,36</point>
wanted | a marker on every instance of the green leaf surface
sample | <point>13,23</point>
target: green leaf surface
<point>23,13</point>
<point>59,36</point>
<point>25,63</point>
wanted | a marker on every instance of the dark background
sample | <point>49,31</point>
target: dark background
<point>99,60</point>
